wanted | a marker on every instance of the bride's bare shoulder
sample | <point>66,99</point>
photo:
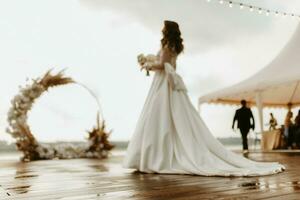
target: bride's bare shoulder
<point>167,51</point>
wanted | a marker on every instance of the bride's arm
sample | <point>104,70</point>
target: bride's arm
<point>165,56</point>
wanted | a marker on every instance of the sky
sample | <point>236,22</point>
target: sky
<point>97,42</point>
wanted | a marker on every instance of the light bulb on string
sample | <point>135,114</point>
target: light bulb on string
<point>260,10</point>
<point>251,8</point>
<point>293,16</point>
<point>241,6</point>
<point>284,14</point>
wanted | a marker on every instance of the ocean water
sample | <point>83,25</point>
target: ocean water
<point>6,156</point>
<point>120,151</point>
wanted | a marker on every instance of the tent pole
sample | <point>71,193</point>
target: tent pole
<point>294,92</point>
<point>199,106</point>
<point>260,111</point>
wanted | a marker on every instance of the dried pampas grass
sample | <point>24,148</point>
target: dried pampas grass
<point>98,138</point>
<point>49,80</point>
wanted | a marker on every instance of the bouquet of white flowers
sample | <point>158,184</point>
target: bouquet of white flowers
<point>146,60</point>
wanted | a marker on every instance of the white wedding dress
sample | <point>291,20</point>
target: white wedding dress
<point>171,137</point>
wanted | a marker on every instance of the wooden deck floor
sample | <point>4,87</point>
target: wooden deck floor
<point>93,179</point>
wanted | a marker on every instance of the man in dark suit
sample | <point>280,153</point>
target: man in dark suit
<point>243,117</point>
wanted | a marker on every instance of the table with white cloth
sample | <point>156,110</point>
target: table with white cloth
<point>271,140</point>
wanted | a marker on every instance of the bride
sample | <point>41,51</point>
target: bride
<point>170,136</point>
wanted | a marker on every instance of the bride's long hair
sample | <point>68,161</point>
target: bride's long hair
<point>172,37</point>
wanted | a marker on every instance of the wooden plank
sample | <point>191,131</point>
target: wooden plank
<point>106,179</point>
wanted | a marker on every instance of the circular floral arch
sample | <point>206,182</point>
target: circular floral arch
<point>98,145</point>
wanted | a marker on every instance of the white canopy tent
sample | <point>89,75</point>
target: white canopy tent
<point>276,85</point>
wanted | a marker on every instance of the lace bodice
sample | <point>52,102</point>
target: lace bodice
<point>167,59</point>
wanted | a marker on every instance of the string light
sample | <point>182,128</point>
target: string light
<point>251,9</point>
<point>241,6</point>
<point>260,10</point>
